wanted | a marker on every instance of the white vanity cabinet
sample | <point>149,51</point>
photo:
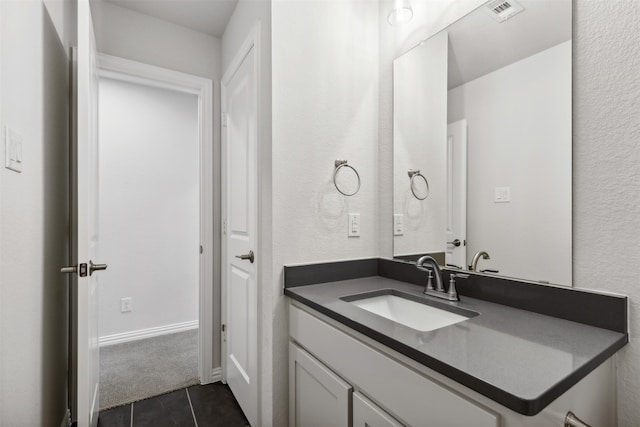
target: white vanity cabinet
<point>368,414</point>
<point>318,396</point>
<point>398,391</point>
<point>339,377</point>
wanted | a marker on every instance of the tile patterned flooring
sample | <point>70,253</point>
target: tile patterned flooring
<point>209,405</point>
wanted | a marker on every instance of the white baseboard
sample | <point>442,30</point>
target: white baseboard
<point>216,375</point>
<point>146,333</point>
<point>66,420</point>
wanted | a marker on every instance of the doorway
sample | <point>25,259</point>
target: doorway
<point>155,211</point>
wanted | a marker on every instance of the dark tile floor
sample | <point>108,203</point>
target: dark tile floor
<point>203,406</point>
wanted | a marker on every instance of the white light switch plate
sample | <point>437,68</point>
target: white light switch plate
<point>398,224</point>
<point>12,150</point>
<point>354,225</point>
<point>502,195</point>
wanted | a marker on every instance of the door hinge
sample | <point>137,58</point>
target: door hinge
<point>224,226</point>
<point>201,250</point>
<point>224,332</point>
<point>225,118</point>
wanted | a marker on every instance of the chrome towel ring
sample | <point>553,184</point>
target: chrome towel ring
<point>415,174</point>
<point>339,164</point>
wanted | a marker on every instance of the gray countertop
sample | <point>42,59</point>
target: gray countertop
<point>521,359</point>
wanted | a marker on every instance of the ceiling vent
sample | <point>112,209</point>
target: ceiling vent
<point>501,10</point>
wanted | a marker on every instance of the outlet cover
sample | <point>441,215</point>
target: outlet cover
<point>12,150</point>
<point>502,195</point>
<point>126,305</point>
<point>398,224</point>
<point>354,225</point>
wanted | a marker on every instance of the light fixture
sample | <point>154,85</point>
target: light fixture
<point>401,12</point>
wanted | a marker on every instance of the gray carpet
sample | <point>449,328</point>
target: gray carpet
<point>140,369</point>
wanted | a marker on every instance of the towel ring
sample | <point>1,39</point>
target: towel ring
<point>413,174</point>
<point>339,164</point>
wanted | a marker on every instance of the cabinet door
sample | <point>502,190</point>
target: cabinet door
<point>317,396</point>
<point>368,414</point>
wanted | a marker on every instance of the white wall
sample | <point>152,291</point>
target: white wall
<point>131,35</point>
<point>325,107</point>
<point>420,135</point>
<point>34,213</point>
<point>519,136</point>
<point>272,394</point>
<point>148,206</point>
<point>606,175</point>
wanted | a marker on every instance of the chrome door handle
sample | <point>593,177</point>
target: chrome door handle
<point>248,256</point>
<point>83,268</point>
<point>96,267</point>
<point>455,243</point>
<point>69,269</point>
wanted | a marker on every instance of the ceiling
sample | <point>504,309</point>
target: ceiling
<point>207,16</point>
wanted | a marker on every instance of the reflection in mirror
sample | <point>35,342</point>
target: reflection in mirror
<point>483,111</point>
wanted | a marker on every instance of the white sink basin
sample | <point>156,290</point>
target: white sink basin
<point>415,315</point>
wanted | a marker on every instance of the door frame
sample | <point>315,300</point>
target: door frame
<point>149,75</point>
<point>251,42</point>
<point>457,181</point>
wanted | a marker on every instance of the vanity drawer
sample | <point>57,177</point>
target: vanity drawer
<point>407,395</point>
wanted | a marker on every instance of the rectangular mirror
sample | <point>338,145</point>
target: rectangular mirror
<point>483,143</point>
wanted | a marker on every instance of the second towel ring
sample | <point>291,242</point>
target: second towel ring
<point>339,164</point>
<point>415,174</point>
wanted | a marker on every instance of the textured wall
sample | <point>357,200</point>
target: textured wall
<point>34,215</point>
<point>606,161</point>
<point>325,107</point>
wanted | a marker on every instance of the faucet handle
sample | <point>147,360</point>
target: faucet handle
<point>429,279</point>
<point>453,294</point>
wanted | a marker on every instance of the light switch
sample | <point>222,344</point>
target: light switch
<point>12,150</point>
<point>502,195</point>
<point>354,225</point>
<point>398,224</point>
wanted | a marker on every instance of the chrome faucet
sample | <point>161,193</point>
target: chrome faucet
<point>474,262</point>
<point>434,270</point>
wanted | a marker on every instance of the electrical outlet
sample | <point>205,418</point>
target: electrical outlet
<point>126,304</point>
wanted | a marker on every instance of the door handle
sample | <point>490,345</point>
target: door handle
<point>96,267</point>
<point>455,243</point>
<point>83,268</point>
<point>248,256</point>
<point>69,269</point>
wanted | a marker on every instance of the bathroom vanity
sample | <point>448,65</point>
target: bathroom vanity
<point>493,364</point>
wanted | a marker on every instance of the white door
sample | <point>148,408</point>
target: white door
<point>85,238</point>
<point>239,189</point>
<point>456,253</point>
